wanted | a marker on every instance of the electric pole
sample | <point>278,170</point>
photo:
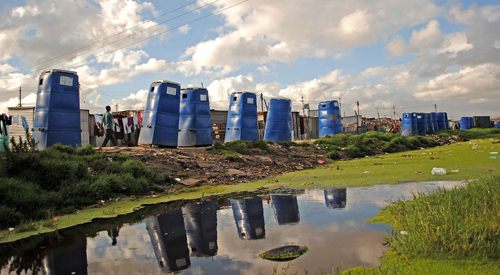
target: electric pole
<point>378,115</point>
<point>394,111</point>
<point>435,108</point>
<point>357,122</point>
<point>116,108</point>
<point>340,104</point>
<point>262,102</point>
<point>303,109</point>
<point>20,94</point>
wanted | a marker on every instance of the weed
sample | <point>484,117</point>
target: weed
<point>26,226</point>
<point>333,154</point>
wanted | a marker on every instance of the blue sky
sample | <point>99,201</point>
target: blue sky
<point>381,53</point>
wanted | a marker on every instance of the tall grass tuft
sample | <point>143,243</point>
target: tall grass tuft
<point>463,221</point>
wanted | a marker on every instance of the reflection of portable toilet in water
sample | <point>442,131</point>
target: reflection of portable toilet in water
<point>421,124</point>
<point>336,198</point>
<point>330,121</point>
<point>242,117</point>
<point>286,209</point>
<point>464,123</point>
<point>249,217</point>
<point>195,121</point>
<point>279,120</point>
<point>414,125</point>
<point>200,221</point>
<point>430,127</point>
<point>71,260</point>
<point>160,125</point>
<point>57,112</point>
<point>406,125</point>
<point>168,237</point>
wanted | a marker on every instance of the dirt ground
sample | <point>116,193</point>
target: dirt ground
<point>192,166</point>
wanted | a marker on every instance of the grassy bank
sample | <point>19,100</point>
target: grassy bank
<point>474,133</point>
<point>58,199</point>
<point>453,231</point>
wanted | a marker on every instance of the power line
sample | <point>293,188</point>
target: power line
<point>116,34</point>
<point>147,38</point>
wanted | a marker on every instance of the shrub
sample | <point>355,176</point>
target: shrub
<point>85,150</point>
<point>333,154</point>
<point>238,146</point>
<point>229,155</point>
<point>9,217</point>
<point>354,152</point>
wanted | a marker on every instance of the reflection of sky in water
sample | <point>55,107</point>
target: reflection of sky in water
<point>332,224</point>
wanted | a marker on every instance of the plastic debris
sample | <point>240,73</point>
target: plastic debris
<point>11,229</point>
<point>177,179</point>
<point>438,171</point>
<point>488,170</point>
<point>321,161</point>
<point>455,171</point>
<point>494,157</point>
<point>493,153</point>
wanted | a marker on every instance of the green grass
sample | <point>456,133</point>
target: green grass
<point>474,133</point>
<point>230,150</point>
<point>61,179</point>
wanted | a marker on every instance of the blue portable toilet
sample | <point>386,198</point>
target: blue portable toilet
<point>421,124</point>
<point>330,120</point>
<point>169,240</point>
<point>492,124</point>
<point>57,112</point>
<point>441,121</point>
<point>406,126</point>
<point>471,122</point>
<point>200,221</point>
<point>249,218</point>
<point>497,125</point>
<point>242,117</point>
<point>446,123</point>
<point>429,123</point>
<point>71,259</point>
<point>279,120</point>
<point>434,122</point>
<point>464,123</point>
<point>286,209</point>
<point>335,198</point>
<point>414,125</point>
<point>195,121</point>
<point>160,125</point>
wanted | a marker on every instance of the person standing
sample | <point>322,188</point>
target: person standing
<point>109,124</point>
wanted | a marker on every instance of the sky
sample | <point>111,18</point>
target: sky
<point>410,54</point>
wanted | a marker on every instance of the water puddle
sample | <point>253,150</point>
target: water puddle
<point>222,236</point>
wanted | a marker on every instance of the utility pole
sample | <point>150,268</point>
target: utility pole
<point>394,111</point>
<point>378,115</point>
<point>262,102</point>
<point>435,108</point>
<point>202,84</point>
<point>116,108</point>
<point>357,122</point>
<point>340,104</point>
<point>303,110</point>
<point>20,94</point>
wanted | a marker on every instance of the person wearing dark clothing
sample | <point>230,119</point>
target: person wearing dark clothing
<point>109,125</point>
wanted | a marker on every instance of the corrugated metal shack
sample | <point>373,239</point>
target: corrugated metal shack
<point>219,122</point>
<point>17,130</point>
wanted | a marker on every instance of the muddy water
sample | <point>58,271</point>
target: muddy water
<point>221,236</point>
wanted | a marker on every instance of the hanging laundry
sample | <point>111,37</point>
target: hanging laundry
<point>136,120</point>
<point>117,126</point>
<point>141,118</point>
<point>25,124</point>
<point>91,126</point>
<point>126,128</point>
<point>98,121</point>
<point>15,120</point>
<point>130,121</point>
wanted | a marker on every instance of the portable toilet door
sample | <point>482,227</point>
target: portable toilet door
<point>279,120</point>
<point>242,117</point>
<point>434,122</point>
<point>441,121</point>
<point>195,121</point>
<point>57,112</point>
<point>330,121</point>
<point>492,124</point>
<point>446,123</point>
<point>414,126</point>
<point>160,125</point>
<point>421,124</point>
<point>406,126</point>
<point>464,123</point>
<point>471,123</point>
<point>429,123</point>
<point>497,124</point>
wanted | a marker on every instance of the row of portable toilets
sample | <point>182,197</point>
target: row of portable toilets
<point>173,116</point>
<point>419,124</point>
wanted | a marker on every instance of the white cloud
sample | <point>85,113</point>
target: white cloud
<point>426,38</point>
<point>263,69</point>
<point>184,29</point>
<point>135,101</point>
<point>262,31</point>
